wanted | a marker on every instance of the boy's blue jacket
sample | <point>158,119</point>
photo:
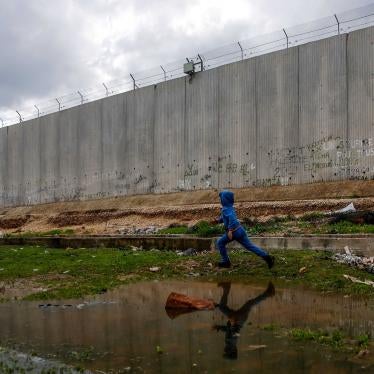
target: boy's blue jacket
<point>228,214</point>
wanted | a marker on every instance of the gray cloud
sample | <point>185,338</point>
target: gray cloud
<point>49,48</point>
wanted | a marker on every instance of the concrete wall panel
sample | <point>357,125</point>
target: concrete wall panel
<point>140,106</point>
<point>31,162</point>
<point>277,116</point>
<point>15,165</point>
<point>69,161</point>
<point>169,137</point>
<point>358,152</point>
<point>49,140</point>
<point>323,108</point>
<point>237,124</point>
<point>113,144</point>
<point>201,133</point>
<point>90,149</point>
<point>3,166</point>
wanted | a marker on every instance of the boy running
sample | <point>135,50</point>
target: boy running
<point>234,231</point>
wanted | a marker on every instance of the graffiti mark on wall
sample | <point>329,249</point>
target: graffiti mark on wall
<point>343,157</point>
<point>191,170</point>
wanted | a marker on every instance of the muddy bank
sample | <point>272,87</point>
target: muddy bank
<point>117,219</point>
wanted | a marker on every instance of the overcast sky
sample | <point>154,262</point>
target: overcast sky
<point>49,48</point>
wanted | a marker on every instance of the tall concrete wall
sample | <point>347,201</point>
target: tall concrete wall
<point>300,115</point>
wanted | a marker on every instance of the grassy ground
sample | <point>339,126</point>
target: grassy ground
<point>309,224</point>
<point>72,273</point>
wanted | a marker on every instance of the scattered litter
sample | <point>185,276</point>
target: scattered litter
<point>302,270</point>
<point>362,353</point>
<point>363,263</point>
<point>66,271</point>
<point>159,349</point>
<point>347,251</point>
<point>356,280</point>
<point>210,264</point>
<point>46,251</point>
<point>190,252</point>
<point>194,274</point>
<point>154,269</point>
<point>63,306</point>
<point>35,270</point>
<point>78,306</point>
<point>348,209</point>
<point>255,347</point>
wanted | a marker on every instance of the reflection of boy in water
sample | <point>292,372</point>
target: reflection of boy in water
<point>237,318</point>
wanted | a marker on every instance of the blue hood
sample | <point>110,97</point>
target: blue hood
<point>227,198</point>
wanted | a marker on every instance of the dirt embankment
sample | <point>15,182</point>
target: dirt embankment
<point>104,220</point>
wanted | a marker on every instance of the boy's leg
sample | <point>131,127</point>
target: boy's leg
<point>247,244</point>
<point>221,244</point>
<point>241,236</point>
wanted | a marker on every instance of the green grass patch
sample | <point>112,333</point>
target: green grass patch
<point>201,229</point>
<point>346,227</point>
<point>73,273</point>
<point>312,217</point>
<point>334,339</point>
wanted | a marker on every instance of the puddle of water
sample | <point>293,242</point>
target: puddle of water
<point>128,329</point>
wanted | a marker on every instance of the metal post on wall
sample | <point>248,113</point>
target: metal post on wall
<point>337,21</point>
<point>59,105</point>
<point>37,110</point>
<point>286,36</point>
<point>20,117</point>
<point>201,62</point>
<point>164,72</point>
<point>80,96</point>
<point>241,50</point>
<point>106,90</point>
<point>133,79</point>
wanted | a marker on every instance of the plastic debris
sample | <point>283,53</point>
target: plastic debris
<point>363,263</point>
<point>155,269</point>
<point>356,280</point>
<point>302,270</point>
<point>190,252</point>
<point>255,347</point>
<point>159,349</point>
<point>348,209</point>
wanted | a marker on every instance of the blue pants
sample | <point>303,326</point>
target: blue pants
<point>240,236</point>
